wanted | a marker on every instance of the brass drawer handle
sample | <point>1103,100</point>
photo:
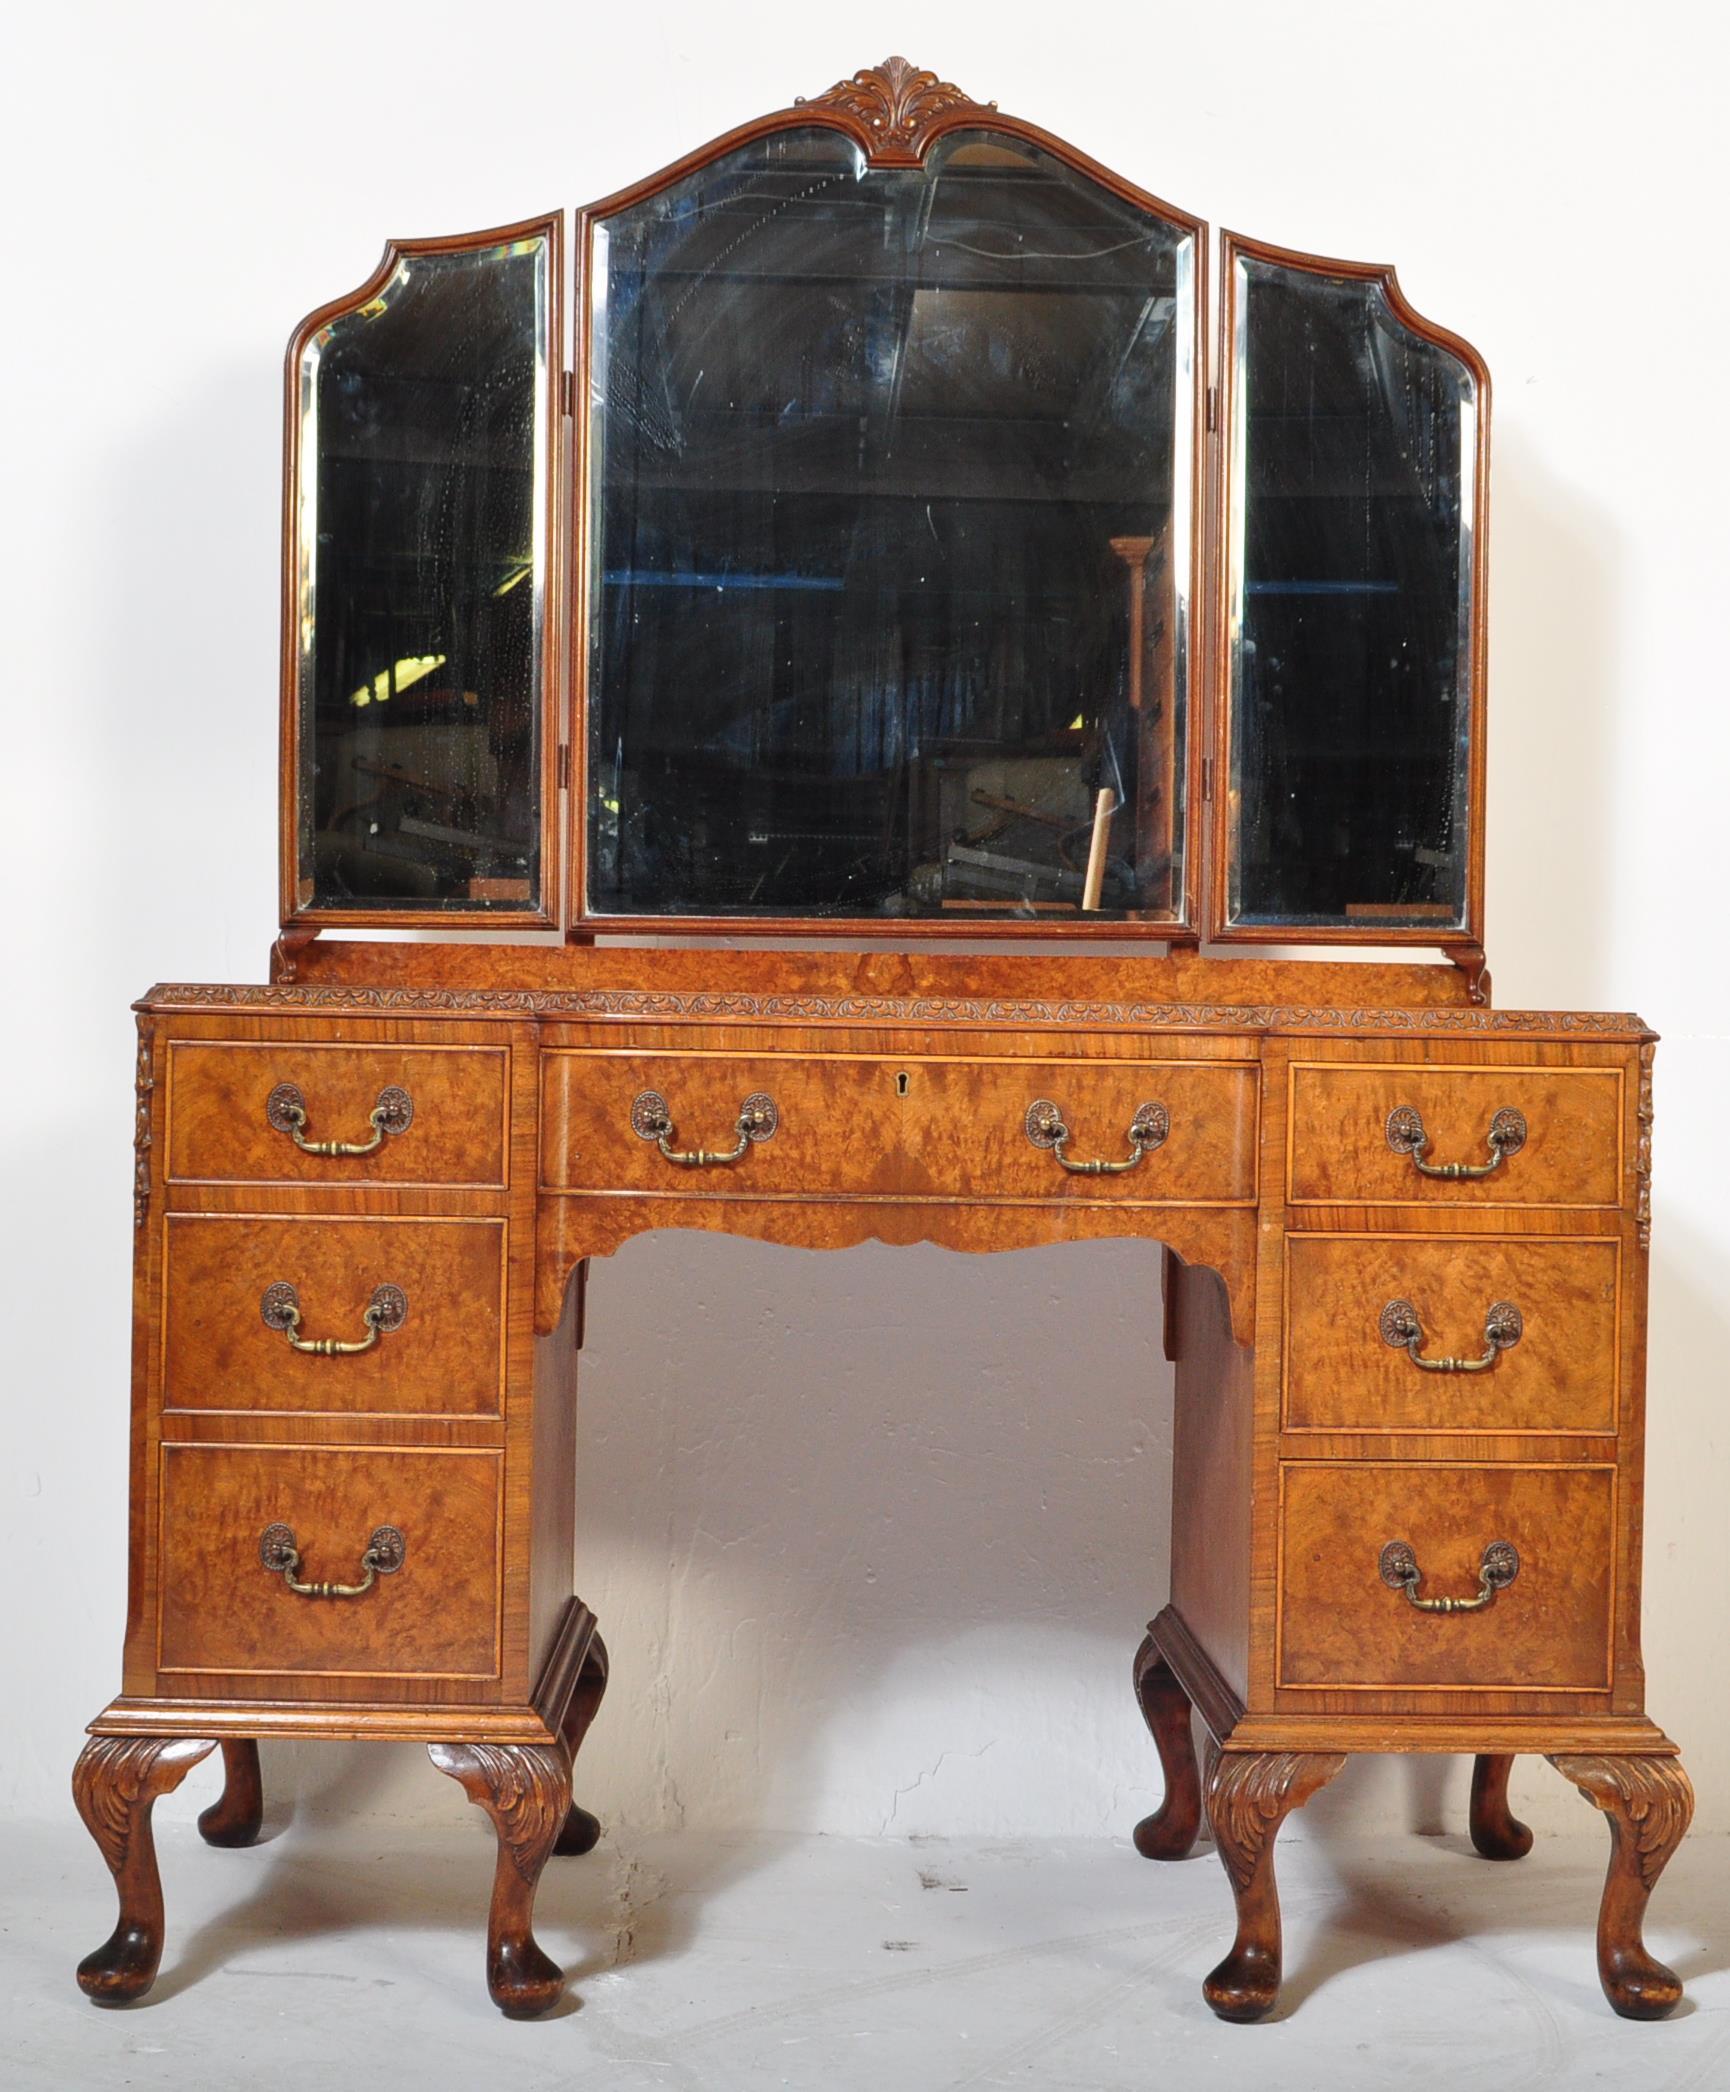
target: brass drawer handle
<point>1499,1567</point>
<point>385,1554</point>
<point>1504,1326</point>
<point>1406,1136</point>
<point>280,1307</point>
<point>285,1108</point>
<point>651,1120</point>
<point>1046,1128</point>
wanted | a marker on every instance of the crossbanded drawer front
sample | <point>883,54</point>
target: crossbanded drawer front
<point>431,1115</point>
<point>746,1125</point>
<point>1347,1620</point>
<point>1352,1360</point>
<point>1379,1135</point>
<point>291,1312</point>
<point>1149,1132</point>
<point>1143,1132</point>
<point>240,1525</point>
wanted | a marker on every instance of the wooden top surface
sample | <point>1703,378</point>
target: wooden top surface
<point>714,984</point>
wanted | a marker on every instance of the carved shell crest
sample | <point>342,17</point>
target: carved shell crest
<point>898,104</point>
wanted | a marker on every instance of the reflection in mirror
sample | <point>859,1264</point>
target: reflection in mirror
<point>891,532</point>
<point>421,570</point>
<point>1353,452</point>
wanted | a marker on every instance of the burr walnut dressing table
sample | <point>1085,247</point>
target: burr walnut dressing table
<point>880,557</point>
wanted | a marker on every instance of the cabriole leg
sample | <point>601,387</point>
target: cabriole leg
<point>1496,1831</point>
<point>1171,1831</point>
<point>115,1785</point>
<point>1249,1795</point>
<point>526,1789</point>
<point>1649,1803</point>
<point>234,1818</point>
<point>581,1832</point>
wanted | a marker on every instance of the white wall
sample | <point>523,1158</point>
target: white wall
<point>873,1535</point>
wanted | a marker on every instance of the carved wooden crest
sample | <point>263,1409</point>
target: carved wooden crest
<point>899,107</point>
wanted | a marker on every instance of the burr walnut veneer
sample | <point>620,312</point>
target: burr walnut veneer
<point>1310,1438</point>
<point>884,556</point>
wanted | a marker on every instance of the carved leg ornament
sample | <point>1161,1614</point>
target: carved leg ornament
<point>1249,1795</point>
<point>1649,1803</point>
<point>1170,1832</point>
<point>235,1816</point>
<point>526,1789</point>
<point>115,1785</point>
<point>582,1832</point>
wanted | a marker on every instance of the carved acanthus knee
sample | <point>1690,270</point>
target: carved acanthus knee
<point>115,1785</point>
<point>1249,1795</point>
<point>526,1789</point>
<point>1649,1803</point>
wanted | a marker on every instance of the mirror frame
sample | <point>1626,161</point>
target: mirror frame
<point>297,912</point>
<point>894,113</point>
<point>1464,945</point>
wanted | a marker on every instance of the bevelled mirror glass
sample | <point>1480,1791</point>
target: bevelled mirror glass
<point>890,540</point>
<point>1350,559</point>
<point>421,565</point>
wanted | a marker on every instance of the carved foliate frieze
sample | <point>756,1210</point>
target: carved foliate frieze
<point>721,1007</point>
<point>898,106</point>
<point>1643,1151</point>
<point>144,1084</point>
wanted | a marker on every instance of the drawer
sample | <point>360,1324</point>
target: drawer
<point>1341,1151</point>
<point>836,1123</point>
<point>439,1343</point>
<point>223,1610</point>
<point>223,1127</point>
<point>1343,1372</point>
<point>971,1127</point>
<point>1341,1624</point>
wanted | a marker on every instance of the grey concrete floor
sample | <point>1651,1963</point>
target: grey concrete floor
<point>838,1965</point>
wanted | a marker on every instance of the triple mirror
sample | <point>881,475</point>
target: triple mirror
<point>897,570</point>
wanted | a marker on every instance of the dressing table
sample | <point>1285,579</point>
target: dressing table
<point>877,564</point>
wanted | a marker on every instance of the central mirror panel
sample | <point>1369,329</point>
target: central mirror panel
<point>890,541</point>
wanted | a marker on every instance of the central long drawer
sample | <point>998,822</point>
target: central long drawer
<point>1149,1132</point>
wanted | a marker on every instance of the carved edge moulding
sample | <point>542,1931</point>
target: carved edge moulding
<point>301,916</point>
<point>1465,945</point>
<point>722,1005</point>
<point>894,113</point>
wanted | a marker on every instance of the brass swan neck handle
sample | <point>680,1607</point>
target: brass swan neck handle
<point>1046,1127</point>
<point>1504,1326</point>
<point>1399,1569</point>
<point>1406,1136</point>
<point>285,1108</point>
<point>280,1309</point>
<point>651,1119</point>
<point>279,1551</point>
